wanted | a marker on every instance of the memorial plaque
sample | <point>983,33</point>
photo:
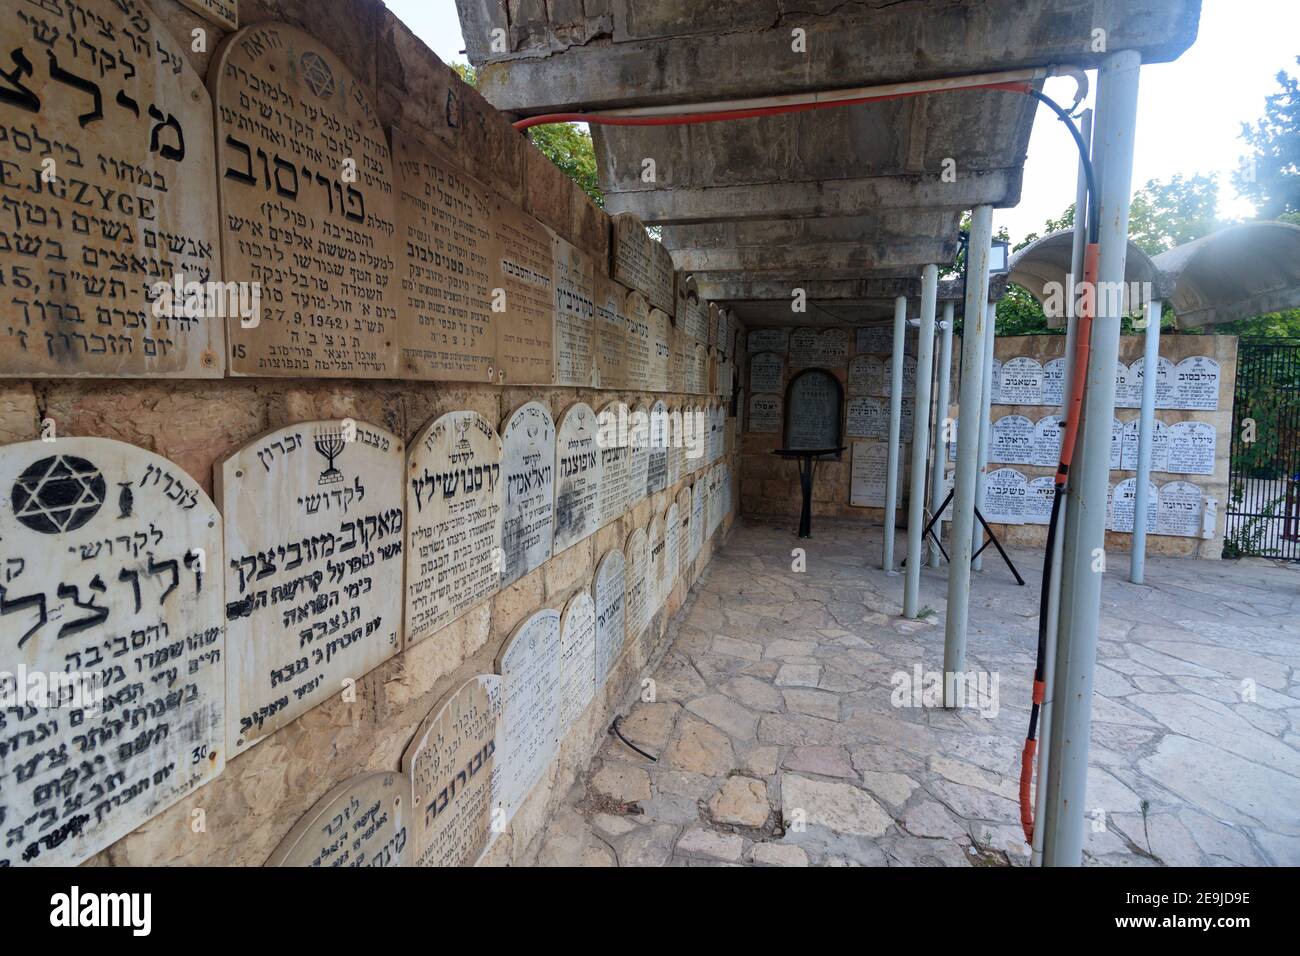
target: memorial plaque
<point>1128,391</point>
<point>1192,447</point>
<point>692,313</point>
<point>523,271</point>
<point>661,344</point>
<point>608,590</point>
<point>1021,382</point>
<point>657,466</point>
<point>1011,440</point>
<point>684,501</point>
<point>695,540</point>
<point>870,471</point>
<point>952,443</point>
<point>1196,384</point>
<point>766,372</point>
<point>224,13</point>
<point>656,563</point>
<point>1005,491</point>
<point>678,360</point>
<point>1164,381</point>
<point>611,333</point>
<point>723,340</point>
<point>113,650</point>
<point>307,211</point>
<point>1038,500</point>
<point>454,774</point>
<point>454,517</point>
<point>575,314</point>
<point>676,448</point>
<point>1054,382</point>
<point>446,328</point>
<point>1159,446</point>
<point>313,536</point>
<point>714,318</point>
<point>365,821</point>
<point>769,340</point>
<point>1116,444</point>
<point>700,371</point>
<point>636,554</point>
<point>907,413</point>
<point>642,262</point>
<point>637,314</point>
<point>765,414</point>
<point>813,411</point>
<point>1048,434</point>
<point>108,156</point>
<point>577,658</point>
<point>909,377</point>
<point>805,349</point>
<point>673,541</point>
<point>529,666</point>
<point>1123,506</point>
<point>875,339</point>
<point>578,475</point>
<point>638,437</point>
<point>724,478</point>
<point>865,418</point>
<point>613,496</point>
<point>717,423</point>
<point>528,466</point>
<point>1179,509</point>
<point>867,375</point>
<point>995,386</point>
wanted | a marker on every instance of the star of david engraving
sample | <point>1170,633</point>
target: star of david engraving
<point>58,494</point>
<point>316,73</point>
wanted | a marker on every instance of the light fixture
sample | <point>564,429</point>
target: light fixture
<point>1000,257</point>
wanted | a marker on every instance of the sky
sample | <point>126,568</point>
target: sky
<point>1189,112</point>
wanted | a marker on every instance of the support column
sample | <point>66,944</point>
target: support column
<point>920,440</point>
<point>986,409</point>
<point>1085,526</point>
<point>978,250</point>
<point>895,428</point>
<point>1146,436</point>
<point>937,492</point>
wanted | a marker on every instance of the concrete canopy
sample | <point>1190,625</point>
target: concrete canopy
<point>1236,273</point>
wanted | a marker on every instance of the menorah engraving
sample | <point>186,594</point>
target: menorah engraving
<point>330,444</point>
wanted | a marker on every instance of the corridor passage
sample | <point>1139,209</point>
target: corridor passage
<point>784,737</point>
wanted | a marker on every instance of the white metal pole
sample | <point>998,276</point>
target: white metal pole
<point>895,428</point>
<point>920,439</point>
<point>1085,527</point>
<point>986,409</point>
<point>978,250</point>
<point>1146,438</point>
<point>937,484</point>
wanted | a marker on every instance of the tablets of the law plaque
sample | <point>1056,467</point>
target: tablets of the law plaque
<point>641,262</point>
<point>454,518</point>
<point>529,665</point>
<point>522,270</point>
<point>528,479</point>
<point>111,558</point>
<point>306,185</point>
<point>314,522</point>
<point>455,776</point>
<point>106,134</point>
<point>446,329</point>
<point>364,821</point>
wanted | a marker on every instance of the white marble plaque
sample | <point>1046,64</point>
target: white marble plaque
<point>636,554</point>
<point>638,438</point>
<point>695,540</point>
<point>866,418</point>
<point>1159,446</point>
<point>714,507</point>
<point>1179,510</point>
<point>454,773</point>
<point>765,414</point>
<point>575,315</point>
<point>1011,440</point>
<point>805,350</point>
<point>453,519</point>
<point>107,175</point>
<point>833,348</point>
<point>1128,390</point>
<point>365,821</point>
<point>766,372</point>
<point>314,522</point>
<point>319,234</point>
<point>1123,505</point>
<point>1164,381</point>
<point>1196,384</point>
<point>909,376</point>
<point>657,466</point>
<point>577,658</point>
<point>578,476</point>
<point>609,593</point>
<point>1048,434</point>
<point>995,386</point>
<point>870,470</point>
<point>1192,447</point>
<point>769,340</point>
<point>1116,444</point>
<point>528,478</point>
<point>113,652</point>
<point>1038,500</point>
<point>673,540</point>
<point>529,666</point>
<point>615,463</point>
<point>676,446</point>
<point>1054,382</point>
<point>684,500</point>
<point>657,567</point>
<point>1005,491</point>
<point>866,375</point>
<point>1021,382</point>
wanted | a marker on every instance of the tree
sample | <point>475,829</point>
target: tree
<point>1271,177</point>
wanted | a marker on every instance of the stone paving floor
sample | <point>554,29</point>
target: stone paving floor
<point>778,743</point>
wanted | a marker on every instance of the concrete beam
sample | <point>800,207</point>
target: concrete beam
<point>892,226</point>
<point>828,258</point>
<point>718,287</point>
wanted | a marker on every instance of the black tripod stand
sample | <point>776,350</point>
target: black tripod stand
<point>992,539</point>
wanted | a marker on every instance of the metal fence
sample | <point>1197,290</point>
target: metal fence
<point>1263,508</point>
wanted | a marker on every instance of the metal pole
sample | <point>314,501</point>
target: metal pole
<point>1054,585</point>
<point>986,408</point>
<point>937,492</point>
<point>972,386</point>
<point>1146,437</point>
<point>1085,527</point>
<point>895,427</point>
<point>920,439</point>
